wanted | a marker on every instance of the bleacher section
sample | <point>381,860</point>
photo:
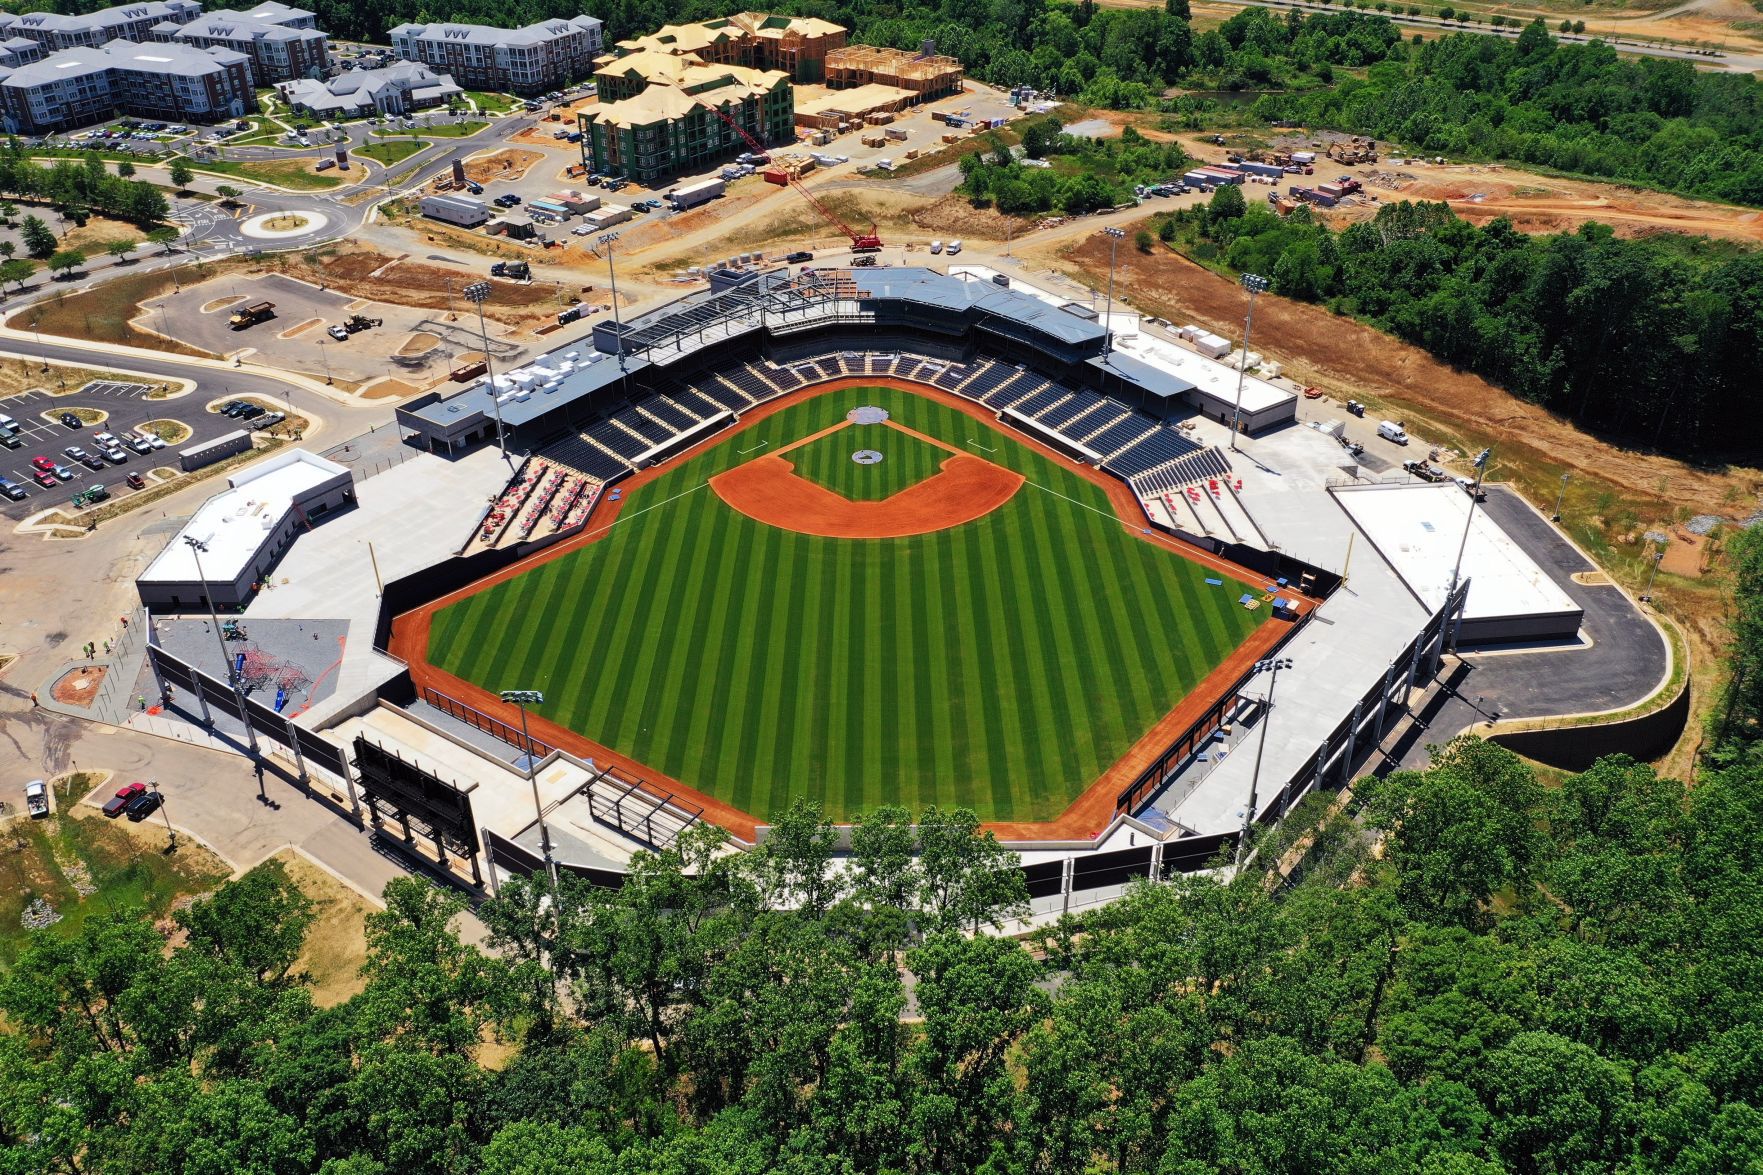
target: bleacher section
<point>609,435</point>
<point>749,381</point>
<point>696,402</point>
<point>1042,400</point>
<point>543,497</point>
<point>1116,437</point>
<point>583,455</point>
<point>669,413</point>
<point>1159,447</point>
<point>1013,390</point>
<point>987,380</point>
<point>1062,415</point>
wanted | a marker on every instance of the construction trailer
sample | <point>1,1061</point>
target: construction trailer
<point>693,195</point>
<point>460,210</point>
<point>927,74</point>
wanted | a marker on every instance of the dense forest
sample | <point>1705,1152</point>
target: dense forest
<point>1656,339</point>
<point>1468,971</point>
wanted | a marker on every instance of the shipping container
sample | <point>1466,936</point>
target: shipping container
<point>693,195</point>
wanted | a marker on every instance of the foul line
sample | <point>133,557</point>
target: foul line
<point>977,445</point>
<point>755,448</point>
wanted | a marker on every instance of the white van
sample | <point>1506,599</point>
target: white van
<point>1391,430</point>
<point>936,246</point>
<point>954,248</point>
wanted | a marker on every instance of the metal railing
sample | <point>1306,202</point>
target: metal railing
<point>478,720</point>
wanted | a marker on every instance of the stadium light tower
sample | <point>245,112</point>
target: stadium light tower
<point>1255,284</point>
<point>1481,468</point>
<point>1114,236</point>
<point>606,240</point>
<point>197,546</point>
<point>523,698</point>
<point>1271,667</point>
<point>479,293</point>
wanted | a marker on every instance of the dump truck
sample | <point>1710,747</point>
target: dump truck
<point>251,315</point>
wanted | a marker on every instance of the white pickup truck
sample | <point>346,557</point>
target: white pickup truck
<point>36,798</point>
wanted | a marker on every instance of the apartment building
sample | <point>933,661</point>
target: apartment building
<point>17,51</point>
<point>796,45</point>
<point>283,43</point>
<point>127,22</point>
<point>531,60</point>
<point>671,124</point>
<point>169,82</point>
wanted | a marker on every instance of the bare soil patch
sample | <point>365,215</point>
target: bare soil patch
<point>419,343</point>
<point>1322,348</point>
<point>300,328</point>
<point>78,687</point>
<point>336,942</point>
<point>957,217</point>
<point>387,389</point>
<point>222,303</point>
<point>507,164</point>
<point>366,273</point>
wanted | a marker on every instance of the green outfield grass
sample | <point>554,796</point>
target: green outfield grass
<point>1001,665</point>
<point>906,461</point>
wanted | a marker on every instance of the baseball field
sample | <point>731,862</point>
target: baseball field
<point>1002,664</point>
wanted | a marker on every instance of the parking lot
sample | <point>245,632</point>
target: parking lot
<point>127,406</point>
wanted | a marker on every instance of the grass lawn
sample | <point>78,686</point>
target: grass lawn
<point>1002,665</point>
<point>391,151</point>
<point>906,461</point>
<point>21,375</point>
<point>493,103</point>
<point>440,130</point>
<point>286,173</point>
<point>63,854</point>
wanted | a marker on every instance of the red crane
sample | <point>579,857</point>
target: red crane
<point>860,242</point>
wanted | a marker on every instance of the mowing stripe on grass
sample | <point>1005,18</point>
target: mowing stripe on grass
<point>1000,665</point>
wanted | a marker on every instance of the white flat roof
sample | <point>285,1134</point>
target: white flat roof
<point>1418,529</point>
<point>234,523</point>
<point>1124,322</point>
<point>1209,375</point>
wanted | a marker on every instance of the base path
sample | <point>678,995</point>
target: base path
<point>767,490</point>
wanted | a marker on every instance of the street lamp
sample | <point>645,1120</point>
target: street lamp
<point>607,240</point>
<point>1271,666</point>
<point>523,698</point>
<point>1481,468</point>
<point>173,846</point>
<point>1255,284</point>
<point>1561,497</point>
<point>478,293</point>
<point>325,356</point>
<point>1114,235</point>
<point>197,546</point>
<point>1658,558</point>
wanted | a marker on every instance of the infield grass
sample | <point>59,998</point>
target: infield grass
<point>1000,665</point>
<point>906,461</point>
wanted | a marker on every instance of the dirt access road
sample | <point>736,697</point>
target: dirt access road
<point>1351,358</point>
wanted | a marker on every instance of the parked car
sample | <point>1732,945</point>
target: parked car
<point>124,796</point>
<point>72,421</point>
<point>136,481</point>
<point>250,412</point>
<point>105,440</point>
<point>11,440</point>
<point>92,462</point>
<point>142,806</point>
<point>799,257</point>
<point>36,799</point>
<point>14,491</point>
<point>44,478</point>
<point>62,472</point>
<point>42,463</point>
<point>141,445</point>
<point>338,333</point>
<point>231,407</point>
<point>116,456</point>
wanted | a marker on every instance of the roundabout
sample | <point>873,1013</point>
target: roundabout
<point>280,226</point>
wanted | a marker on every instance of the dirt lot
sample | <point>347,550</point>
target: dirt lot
<point>1348,357</point>
<point>507,164</point>
<point>336,942</point>
<point>1534,203</point>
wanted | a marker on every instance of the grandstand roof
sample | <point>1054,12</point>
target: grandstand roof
<point>518,407</point>
<point>1156,381</point>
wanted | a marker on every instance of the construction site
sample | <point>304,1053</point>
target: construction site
<point>926,74</point>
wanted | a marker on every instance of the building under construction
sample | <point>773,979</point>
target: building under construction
<point>795,45</point>
<point>926,75</point>
<point>671,124</point>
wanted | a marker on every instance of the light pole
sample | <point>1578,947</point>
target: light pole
<point>1658,558</point>
<point>325,355</point>
<point>1255,284</point>
<point>607,239</point>
<point>197,546</point>
<point>173,846</point>
<point>1561,497</point>
<point>1481,468</point>
<point>1271,667</point>
<point>478,293</point>
<point>1114,235</point>
<point>522,698</point>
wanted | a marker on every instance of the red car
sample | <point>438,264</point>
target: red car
<point>124,796</point>
<point>44,478</point>
<point>42,463</point>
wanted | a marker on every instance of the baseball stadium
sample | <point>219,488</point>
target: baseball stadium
<point>865,538</point>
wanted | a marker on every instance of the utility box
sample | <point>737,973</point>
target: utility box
<point>219,449</point>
